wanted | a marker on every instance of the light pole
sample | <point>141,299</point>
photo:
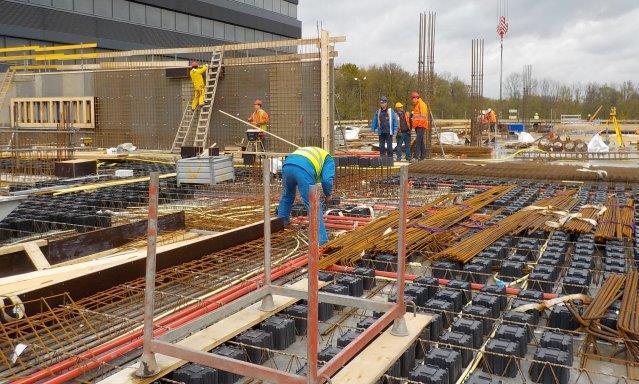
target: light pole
<point>361,116</point>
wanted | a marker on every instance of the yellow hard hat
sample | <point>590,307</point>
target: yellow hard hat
<point>399,105</point>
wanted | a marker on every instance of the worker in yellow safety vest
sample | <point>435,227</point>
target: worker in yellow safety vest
<point>302,169</point>
<point>197,75</point>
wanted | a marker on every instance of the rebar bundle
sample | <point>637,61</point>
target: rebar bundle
<point>428,230</point>
<point>530,218</point>
<point>525,169</point>
<point>421,234</point>
<point>617,222</point>
<point>349,247</point>
<point>584,221</point>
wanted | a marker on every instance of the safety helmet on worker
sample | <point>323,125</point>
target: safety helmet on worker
<point>399,105</point>
<point>194,64</point>
<point>489,110</point>
<point>383,99</point>
<point>257,102</point>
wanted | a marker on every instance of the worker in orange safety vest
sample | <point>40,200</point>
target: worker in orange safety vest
<point>420,119</point>
<point>197,75</point>
<point>259,118</point>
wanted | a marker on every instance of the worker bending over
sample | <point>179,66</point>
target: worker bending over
<point>302,169</point>
<point>420,122</point>
<point>197,75</point>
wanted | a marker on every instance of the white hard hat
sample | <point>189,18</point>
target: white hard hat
<point>489,110</point>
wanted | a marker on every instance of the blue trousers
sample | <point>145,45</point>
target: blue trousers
<point>420,147</point>
<point>385,144</point>
<point>294,177</point>
<point>403,138</point>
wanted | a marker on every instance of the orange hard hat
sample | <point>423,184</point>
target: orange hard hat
<point>257,102</point>
<point>414,94</point>
<point>194,64</point>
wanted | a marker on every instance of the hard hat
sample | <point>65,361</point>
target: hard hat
<point>399,105</point>
<point>383,99</point>
<point>194,64</point>
<point>489,110</point>
<point>414,94</point>
<point>258,102</point>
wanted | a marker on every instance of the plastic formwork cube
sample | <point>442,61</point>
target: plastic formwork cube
<point>233,353</point>
<point>445,359</point>
<point>450,339</point>
<point>256,342</point>
<point>473,328</point>
<point>499,358</point>
<point>282,329</point>
<point>429,374</point>
<point>431,283</point>
<point>194,373</point>
<point>482,314</point>
<point>556,372</point>
<point>516,334</point>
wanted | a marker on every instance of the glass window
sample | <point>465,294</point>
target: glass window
<point>249,35</point>
<point>40,2</point>
<point>229,32</point>
<point>63,4</point>
<point>181,22</point>
<point>218,30</point>
<point>138,13</point>
<point>292,10</point>
<point>259,36</point>
<point>121,9</point>
<point>153,16</point>
<point>250,2</point>
<point>239,34</point>
<point>83,6</point>
<point>207,27</point>
<point>259,3</point>
<point>168,19</point>
<point>277,5</point>
<point>195,25</point>
<point>284,7</point>
<point>268,5</point>
<point>103,8</point>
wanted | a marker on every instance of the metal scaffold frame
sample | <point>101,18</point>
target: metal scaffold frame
<point>394,312</point>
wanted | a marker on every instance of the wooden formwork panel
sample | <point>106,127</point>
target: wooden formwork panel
<point>47,112</point>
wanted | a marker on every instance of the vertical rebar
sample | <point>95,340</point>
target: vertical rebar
<point>148,365</point>
<point>399,326</point>
<point>313,268</point>
<point>267,301</point>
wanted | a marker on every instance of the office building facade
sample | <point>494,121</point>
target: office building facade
<point>144,24</point>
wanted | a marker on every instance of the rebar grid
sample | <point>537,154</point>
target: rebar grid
<point>74,327</point>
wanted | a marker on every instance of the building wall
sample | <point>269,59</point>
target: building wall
<point>125,25</point>
<point>144,107</point>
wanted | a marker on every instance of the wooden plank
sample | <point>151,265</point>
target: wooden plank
<point>10,249</point>
<point>35,254</point>
<point>370,364</point>
<point>208,338</point>
<point>225,48</point>
<point>87,243</point>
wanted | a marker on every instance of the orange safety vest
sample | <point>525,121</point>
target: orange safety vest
<point>260,119</point>
<point>420,114</point>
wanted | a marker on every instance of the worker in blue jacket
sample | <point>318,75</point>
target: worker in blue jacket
<point>302,169</point>
<point>385,123</point>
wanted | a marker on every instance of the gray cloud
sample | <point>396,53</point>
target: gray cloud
<point>565,40</point>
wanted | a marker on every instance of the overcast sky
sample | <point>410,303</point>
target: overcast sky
<point>567,40</point>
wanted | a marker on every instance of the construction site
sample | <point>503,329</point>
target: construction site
<point>140,240</point>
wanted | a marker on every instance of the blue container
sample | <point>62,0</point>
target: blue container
<point>515,127</point>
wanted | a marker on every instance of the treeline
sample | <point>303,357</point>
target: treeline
<point>548,98</point>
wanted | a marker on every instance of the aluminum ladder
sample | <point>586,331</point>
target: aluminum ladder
<point>7,80</point>
<point>202,115</point>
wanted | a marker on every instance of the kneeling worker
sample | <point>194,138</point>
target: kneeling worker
<point>303,168</point>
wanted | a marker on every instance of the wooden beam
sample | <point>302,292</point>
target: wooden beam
<point>65,47</point>
<point>325,104</point>
<point>225,47</point>
<point>208,338</point>
<point>10,249</point>
<point>36,256</point>
<point>371,363</point>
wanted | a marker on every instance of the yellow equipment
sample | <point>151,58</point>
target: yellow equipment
<point>615,123</point>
